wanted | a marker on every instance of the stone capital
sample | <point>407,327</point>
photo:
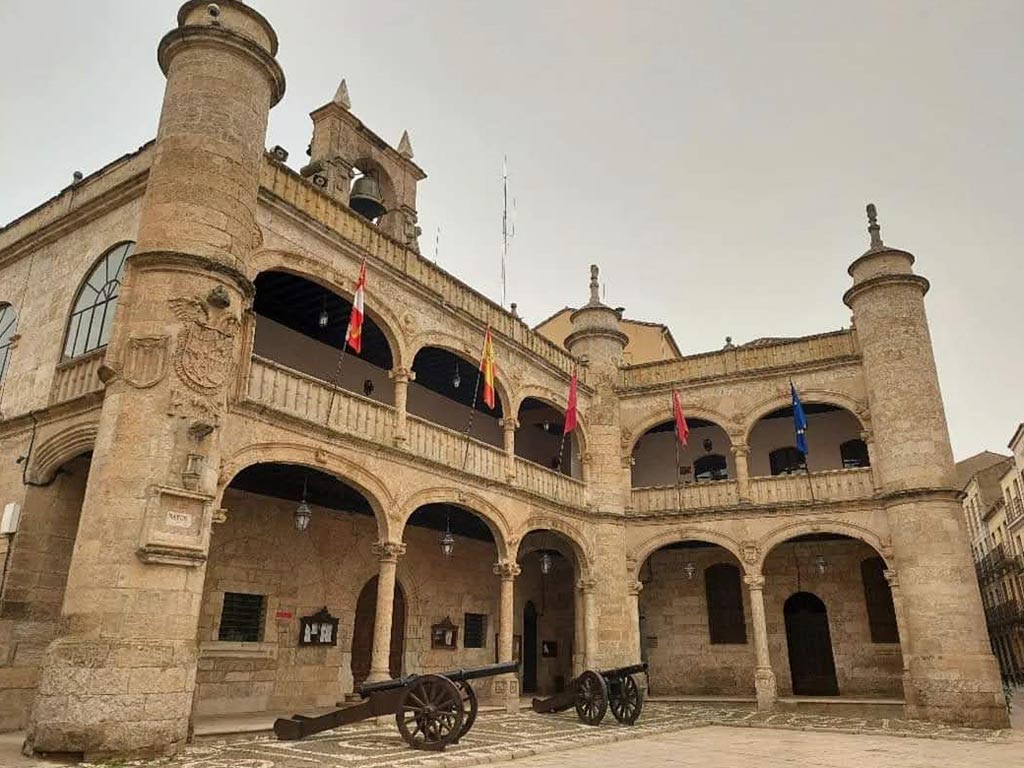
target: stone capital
<point>635,588</point>
<point>389,551</point>
<point>402,375</point>
<point>586,585</point>
<point>740,449</point>
<point>754,580</point>
<point>891,578</point>
<point>507,569</point>
<point>509,424</point>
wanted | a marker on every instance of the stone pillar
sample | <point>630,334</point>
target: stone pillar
<point>635,588</point>
<point>380,658</point>
<point>579,636</point>
<point>901,627</point>
<point>741,455</point>
<point>506,687</point>
<point>952,675</point>
<point>509,425</point>
<point>764,676</point>
<point>119,680</point>
<point>588,588</point>
<point>401,377</point>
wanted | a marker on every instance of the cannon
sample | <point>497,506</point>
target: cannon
<point>431,711</point>
<point>594,693</point>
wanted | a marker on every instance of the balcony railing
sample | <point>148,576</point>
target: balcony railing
<point>688,496</point>
<point>1005,614</point>
<point>76,377</point>
<point>305,397</point>
<point>831,485</point>
<point>998,561</point>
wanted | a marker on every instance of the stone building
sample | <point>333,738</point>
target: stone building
<point>994,512</point>
<point>190,467</point>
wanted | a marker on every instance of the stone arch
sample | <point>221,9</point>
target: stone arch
<point>459,497</point>
<point>653,418</point>
<point>349,472</point>
<point>555,400</point>
<point>56,450</point>
<point>327,276</point>
<point>857,408</point>
<point>572,535</point>
<point>388,191</point>
<point>654,543</point>
<point>459,347</point>
<point>784,533</point>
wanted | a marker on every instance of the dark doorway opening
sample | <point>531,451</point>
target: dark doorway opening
<point>811,664</point>
<point>530,648</point>
<point>362,632</point>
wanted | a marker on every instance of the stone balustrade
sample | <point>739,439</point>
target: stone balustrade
<point>832,485</point>
<point>553,485</point>
<point>726,362</point>
<point>686,496</point>
<point>77,377</point>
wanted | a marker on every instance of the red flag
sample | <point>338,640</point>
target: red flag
<point>354,334</point>
<point>487,368</point>
<point>682,429</point>
<point>570,411</point>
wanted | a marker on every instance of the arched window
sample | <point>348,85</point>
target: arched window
<point>93,312</point>
<point>725,604</point>
<point>787,461</point>
<point>854,454</point>
<point>710,467</point>
<point>8,327</point>
<point>878,596</point>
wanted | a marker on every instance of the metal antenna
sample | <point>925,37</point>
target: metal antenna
<point>504,224</point>
<point>437,243</point>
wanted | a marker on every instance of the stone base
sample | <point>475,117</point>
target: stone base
<point>764,684</point>
<point>505,690</point>
<point>113,698</point>
<point>957,690</point>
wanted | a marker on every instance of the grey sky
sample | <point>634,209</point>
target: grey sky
<point>713,158</point>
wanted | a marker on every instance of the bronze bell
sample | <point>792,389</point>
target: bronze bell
<point>365,198</point>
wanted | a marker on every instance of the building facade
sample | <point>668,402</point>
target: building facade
<point>209,508</point>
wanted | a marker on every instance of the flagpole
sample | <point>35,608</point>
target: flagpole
<point>336,380</point>
<point>679,493</point>
<point>472,408</point>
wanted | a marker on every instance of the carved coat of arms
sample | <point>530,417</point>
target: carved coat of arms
<point>204,355</point>
<point>145,360</point>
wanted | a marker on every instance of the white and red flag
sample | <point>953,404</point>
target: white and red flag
<point>682,428</point>
<point>570,410</point>
<point>354,334</point>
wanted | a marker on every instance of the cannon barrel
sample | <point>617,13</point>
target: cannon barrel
<point>633,669</point>
<point>458,675</point>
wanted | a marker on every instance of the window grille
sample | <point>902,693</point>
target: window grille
<point>241,620</point>
<point>8,326</point>
<point>93,314</point>
<point>475,632</point>
<point>787,461</point>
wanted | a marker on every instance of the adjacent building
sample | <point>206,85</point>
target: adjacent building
<point>211,507</point>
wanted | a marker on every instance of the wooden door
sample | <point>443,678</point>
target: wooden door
<point>811,664</point>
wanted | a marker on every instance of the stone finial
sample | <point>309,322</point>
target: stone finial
<point>341,97</point>
<point>873,228</point>
<point>405,146</point>
<point>595,287</point>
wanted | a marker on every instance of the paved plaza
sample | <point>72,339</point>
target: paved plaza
<point>668,734</point>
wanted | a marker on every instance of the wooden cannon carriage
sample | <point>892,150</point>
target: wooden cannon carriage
<point>594,693</point>
<point>431,711</point>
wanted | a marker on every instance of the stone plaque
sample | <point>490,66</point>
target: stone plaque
<point>177,527</point>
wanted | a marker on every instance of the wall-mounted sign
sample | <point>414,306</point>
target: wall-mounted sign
<point>319,629</point>
<point>444,635</point>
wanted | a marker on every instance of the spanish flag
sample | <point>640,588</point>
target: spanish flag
<point>487,369</point>
<point>354,334</point>
<point>570,411</point>
<point>682,428</point>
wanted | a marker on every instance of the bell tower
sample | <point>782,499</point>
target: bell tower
<point>952,675</point>
<point>356,167</point>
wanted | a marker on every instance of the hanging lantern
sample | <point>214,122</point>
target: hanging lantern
<point>447,540</point>
<point>303,512</point>
<point>324,318</point>
<point>545,562</point>
<point>821,564</point>
<point>546,425</point>
<point>456,379</point>
<point>689,569</point>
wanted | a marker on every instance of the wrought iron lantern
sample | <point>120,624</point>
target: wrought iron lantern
<point>456,379</point>
<point>447,540</point>
<point>303,512</point>
<point>689,569</point>
<point>546,562</point>
<point>821,564</point>
<point>324,318</point>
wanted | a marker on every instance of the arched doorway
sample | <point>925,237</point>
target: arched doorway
<point>811,664</point>
<point>362,632</point>
<point>529,648</point>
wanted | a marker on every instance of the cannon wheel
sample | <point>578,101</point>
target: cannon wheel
<point>591,697</point>
<point>469,707</point>
<point>430,714</point>
<point>626,699</point>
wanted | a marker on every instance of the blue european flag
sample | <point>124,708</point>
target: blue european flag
<point>799,421</point>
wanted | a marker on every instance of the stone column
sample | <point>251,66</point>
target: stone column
<point>119,680</point>
<point>509,425</point>
<point>401,377</point>
<point>764,677</point>
<point>380,658</point>
<point>740,455</point>
<point>635,588</point>
<point>588,587</point>
<point>579,639</point>
<point>893,580</point>
<point>507,686</point>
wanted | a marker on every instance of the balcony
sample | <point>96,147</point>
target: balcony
<point>283,390</point>
<point>77,377</point>
<point>1006,614</point>
<point>830,486</point>
<point>998,562</point>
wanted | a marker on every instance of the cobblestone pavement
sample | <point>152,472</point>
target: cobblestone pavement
<point>497,736</point>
